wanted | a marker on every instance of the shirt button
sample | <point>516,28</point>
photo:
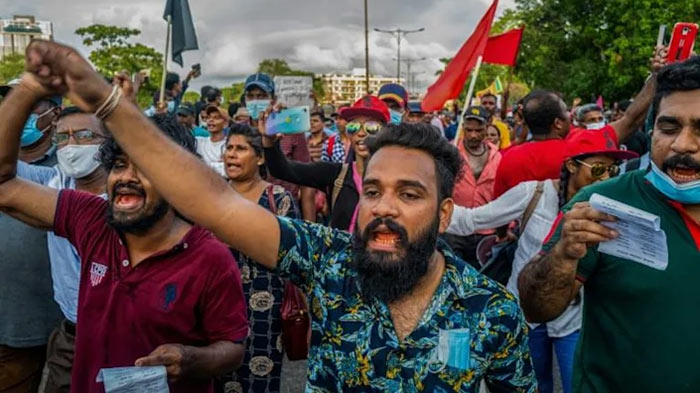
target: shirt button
<point>184,246</point>
<point>125,263</point>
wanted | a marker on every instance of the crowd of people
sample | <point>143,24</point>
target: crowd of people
<point>435,252</point>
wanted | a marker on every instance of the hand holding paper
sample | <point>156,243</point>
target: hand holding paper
<point>172,356</point>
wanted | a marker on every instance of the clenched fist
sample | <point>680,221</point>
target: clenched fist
<point>60,70</point>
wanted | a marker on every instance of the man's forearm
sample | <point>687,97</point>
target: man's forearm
<point>546,286</point>
<point>308,203</point>
<point>635,114</point>
<point>14,110</point>
<point>183,180</point>
<point>216,359</point>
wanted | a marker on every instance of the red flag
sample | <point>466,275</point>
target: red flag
<point>503,48</point>
<point>451,81</point>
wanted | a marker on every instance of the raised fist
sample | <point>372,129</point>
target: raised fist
<point>60,70</point>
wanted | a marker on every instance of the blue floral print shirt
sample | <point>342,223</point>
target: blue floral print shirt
<point>472,331</point>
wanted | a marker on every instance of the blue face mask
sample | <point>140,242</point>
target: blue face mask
<point>31,133</point>
<point>255,107</point>
<point>686,193</point>
<point>396,117</point>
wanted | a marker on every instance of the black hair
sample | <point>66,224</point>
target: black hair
<point>424,137</point>
<point>253,138</point>
<point>490,95</point>
<point>540,109</point>
<point>167,123</point>
<point>319,114</point>
<point>233,108</point>
<point>204,90</point>
<point>71,110</point>
<point>171,79</point>
<point>624,104</point>
<point>683,76</point>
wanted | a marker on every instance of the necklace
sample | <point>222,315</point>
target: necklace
<point>483,147</point>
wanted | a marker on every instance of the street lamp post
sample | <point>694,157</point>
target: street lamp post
<point>409,62</point>
<point>399,34</point>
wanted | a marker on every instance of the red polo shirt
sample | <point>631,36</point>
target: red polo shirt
<point>190,295</point>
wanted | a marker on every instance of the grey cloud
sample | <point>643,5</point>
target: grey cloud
<point>315,35</point>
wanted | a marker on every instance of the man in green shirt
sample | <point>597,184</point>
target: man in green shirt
<point>640,322</point>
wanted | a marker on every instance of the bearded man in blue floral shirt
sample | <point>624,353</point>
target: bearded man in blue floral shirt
<point>393,309</point>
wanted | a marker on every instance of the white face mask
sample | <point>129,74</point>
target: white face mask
<point>78,161</point>
<point>595,126</point>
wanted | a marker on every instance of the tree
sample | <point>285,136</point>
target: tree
<point>587,48</point>
<point>11,67</point>
<point>113,53</point>
<point>279,67</point>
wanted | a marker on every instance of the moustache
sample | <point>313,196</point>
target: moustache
<point>390,224</point>
<point>680,161</point>
<point>119,186</point>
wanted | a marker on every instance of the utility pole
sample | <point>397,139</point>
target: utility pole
<point>399,34</point>
<point>409,62</point>
<point>366,50</point>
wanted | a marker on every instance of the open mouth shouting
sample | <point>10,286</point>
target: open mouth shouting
<point>682,169</point>
<point>128,199</point>
<point>384,239</point>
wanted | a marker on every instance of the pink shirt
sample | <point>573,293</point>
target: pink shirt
<point>470,192</point>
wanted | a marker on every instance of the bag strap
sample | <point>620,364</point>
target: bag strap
<point>338,183</point>
<point>271,199</point>
<point>532,205</point>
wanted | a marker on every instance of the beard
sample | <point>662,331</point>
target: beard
<point>139,223</point>
<point>385,276</point>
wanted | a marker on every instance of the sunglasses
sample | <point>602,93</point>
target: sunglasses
<point>598,170</point>
<point>371,127</point>
<point>81,136</point>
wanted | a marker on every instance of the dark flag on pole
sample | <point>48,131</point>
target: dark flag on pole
<point>183,34</point>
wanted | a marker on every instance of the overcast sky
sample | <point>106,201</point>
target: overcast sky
<point>315,35</point>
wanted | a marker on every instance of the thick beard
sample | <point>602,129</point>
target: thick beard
<point>381,275</point>
<point>141,224</point>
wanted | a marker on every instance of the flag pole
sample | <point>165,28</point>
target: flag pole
<point>468,98</point>
<point>165,61</point>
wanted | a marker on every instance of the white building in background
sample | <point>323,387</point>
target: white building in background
<point>16,33</point>
<point>344,88</point>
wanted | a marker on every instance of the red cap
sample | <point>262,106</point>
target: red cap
<point>595,142</point>
<point>369,106</point>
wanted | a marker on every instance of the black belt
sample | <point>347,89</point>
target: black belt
<point>69,327</point>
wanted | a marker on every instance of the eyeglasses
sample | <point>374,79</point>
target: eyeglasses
<point>598,169</point>
<point>81,136</point>
<point>371,127</point>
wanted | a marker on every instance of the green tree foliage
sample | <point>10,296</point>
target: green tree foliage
<point>113,52</point>
<point>232,93</point>
<point>279,67</point>
<point>11,67</point>
<point>586,48</point>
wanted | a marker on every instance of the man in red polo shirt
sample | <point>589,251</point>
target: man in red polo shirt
<point>154,289</point>
<point>548,119</point>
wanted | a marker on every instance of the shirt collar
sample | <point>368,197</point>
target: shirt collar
<point>47,155</point>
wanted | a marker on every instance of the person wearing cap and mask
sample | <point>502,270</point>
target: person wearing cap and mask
<point>589,160</point>
<point>337,147</point>
<point>211,148</point>
<point>365,117</point>
<point>25,274</point>
<point>258,96</point>
<point>186,117</point>
<point>396,98</point>
<point>475,187</point>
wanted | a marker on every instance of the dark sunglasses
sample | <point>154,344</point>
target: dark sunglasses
<point>598,170</point>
